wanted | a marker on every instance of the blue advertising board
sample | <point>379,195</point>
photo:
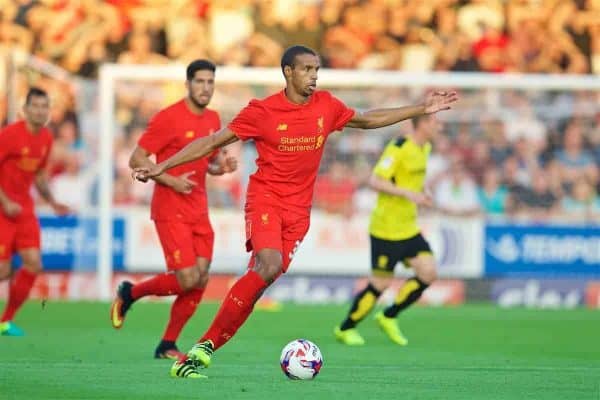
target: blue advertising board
<point>542,251</point>
<point>70,243</point>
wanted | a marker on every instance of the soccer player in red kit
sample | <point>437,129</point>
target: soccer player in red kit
<point>24,149</point>
<point>179,206</point>
<point>289,130</point>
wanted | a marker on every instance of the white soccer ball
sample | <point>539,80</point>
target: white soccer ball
<point>301,359</point>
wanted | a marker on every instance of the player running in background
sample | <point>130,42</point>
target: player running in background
<point>179,206</point>
<point>24,149</point>
<point>399,178</point>
<point>289,130</point>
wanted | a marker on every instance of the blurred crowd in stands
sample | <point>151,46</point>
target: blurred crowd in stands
<point>534,157</point>
<point>558,36</point>
<point>524,155</point>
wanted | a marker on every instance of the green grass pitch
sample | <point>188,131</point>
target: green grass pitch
<point>468,352</point>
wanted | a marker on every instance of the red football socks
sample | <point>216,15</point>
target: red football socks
<point>235,309</point>
<point>20,286</point>
<point>182,310</point>
<point>160,285</point>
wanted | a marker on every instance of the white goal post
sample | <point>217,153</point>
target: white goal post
<point>110,74</point>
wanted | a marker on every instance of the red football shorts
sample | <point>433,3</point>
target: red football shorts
<point>183,242</point>
<point>269,227</point>
<point>17,234</point>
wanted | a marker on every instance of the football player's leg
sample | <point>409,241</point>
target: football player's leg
<point>425,269</point>
<point>7,327</point>
<point>264,238</point>
<point>27,242</point>
<point>424,265</point>
<point>383,262</point>
<point>239,302</point>
<point>20,287</point>
<point>193,281</point>
<point>176,239</point>
<point>363,303</point>
<point>6,249</point>
<point>8,232</point>
<point>234,311</point>
<point>5,270</point>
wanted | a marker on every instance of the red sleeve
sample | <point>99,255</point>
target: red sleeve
<point>156,136</point>
<point>5,144</point>
<point>245,124</point>
<point>342,113</point>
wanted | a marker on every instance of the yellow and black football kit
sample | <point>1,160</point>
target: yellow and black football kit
<point>395,235</point>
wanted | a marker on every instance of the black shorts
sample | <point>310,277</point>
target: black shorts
<point>385,254</point>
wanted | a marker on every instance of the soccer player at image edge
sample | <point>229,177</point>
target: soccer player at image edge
<point>24,149</point>
<point>289,130</point>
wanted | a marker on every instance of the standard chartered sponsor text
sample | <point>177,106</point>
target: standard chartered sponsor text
<point>294,144</point>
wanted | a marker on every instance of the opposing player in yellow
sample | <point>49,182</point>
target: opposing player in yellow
<point>399,177</point>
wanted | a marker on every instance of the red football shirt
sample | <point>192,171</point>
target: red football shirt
<point>169,131</point>
<point>289,140</point>
<point>22,155</point>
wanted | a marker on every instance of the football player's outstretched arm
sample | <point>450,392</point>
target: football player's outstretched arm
<point>198,148</point>
<point>433,102</point>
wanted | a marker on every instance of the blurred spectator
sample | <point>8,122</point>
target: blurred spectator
<point>573,159</point>
<point>492,194</point>
<point>506,139</point>
<point>480,160</point>
<point>463,143</point>
<point>516,181</point>
<point>538,202</point>
<point>439,160</point>
<point>491,50</point>
<point>583,204</point>
<point>594,136</point>
<point>418,52</point>
<point>122,188</point>
<point>463,60</point>
<point>495,135</point>
<point>526,155</point>
<point>474,15</point>
<point>345,45</point>
<point>72,184</point>
<point>230,25</point>
<point>140,51</point>
<point>456,194</point>
<point>523,123</point>
<point>487,35</point>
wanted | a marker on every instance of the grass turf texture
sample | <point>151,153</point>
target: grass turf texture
<point>469,352</point>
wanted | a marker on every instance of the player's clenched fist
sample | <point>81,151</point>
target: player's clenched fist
<point>142,174</point>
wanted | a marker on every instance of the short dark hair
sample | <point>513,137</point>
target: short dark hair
<point>35,92</point>
<point>289,55</point>
<point>199,65</point>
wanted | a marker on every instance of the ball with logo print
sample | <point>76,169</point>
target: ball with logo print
<point>301,359</point>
